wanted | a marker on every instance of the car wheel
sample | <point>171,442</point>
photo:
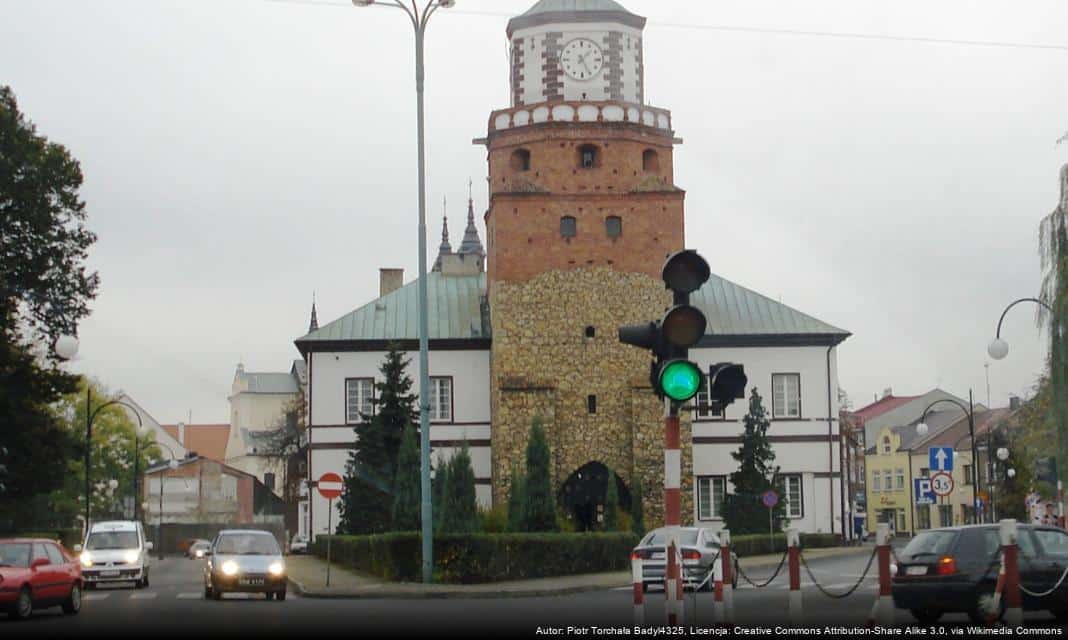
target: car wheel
<point>281,595</point>
<point>926,616</point>
<point>984,605</point>
<point>74,601</point>
<point>207,592</point>
<point>23,606</point>
<point>270,595</point>
<point>216,594</point>
<point>144,579</point>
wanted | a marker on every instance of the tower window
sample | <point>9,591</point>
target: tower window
<point>568,227</point>
<point>650,161</point>
<point>590,332</point>
<point>591,404</point>
<point>588,156</point>
<point>520,160</point>
<point>613,226</point>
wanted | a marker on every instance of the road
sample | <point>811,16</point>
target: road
<point>174,605</point>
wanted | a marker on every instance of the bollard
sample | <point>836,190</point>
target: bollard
<point>670,579</point>
<point>728,576</point>
<point>884,606</point>
<point>717,588</point>
<point>1013,603</point>
<point>999,589</point>
<point>793,540</point>
<point>639,590</point>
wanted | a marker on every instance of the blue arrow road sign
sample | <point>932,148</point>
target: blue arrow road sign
<point>941,458</point>
<point>923,491</point>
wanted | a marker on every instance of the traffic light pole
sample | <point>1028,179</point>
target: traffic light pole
<point>673,585</point>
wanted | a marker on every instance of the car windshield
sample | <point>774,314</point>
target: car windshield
<point>251,544</point>
<point>930,543</point>
<point>14,554</point>
<point>101,540</point>
<point>686,536</point>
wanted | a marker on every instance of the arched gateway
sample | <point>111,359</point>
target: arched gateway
<point>583,493</point>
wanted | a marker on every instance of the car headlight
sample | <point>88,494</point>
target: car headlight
<point>132,556</point>
<point>229,567</point>
<point>276,569</point>
<point>200,553</point>
<point>87,560</point>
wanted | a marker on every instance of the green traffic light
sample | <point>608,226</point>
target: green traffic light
<point>680,380</point>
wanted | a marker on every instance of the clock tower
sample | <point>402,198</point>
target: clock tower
<point>583,211</point>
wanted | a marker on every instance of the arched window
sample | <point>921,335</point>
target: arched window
<point>588,156</point>
<point>613,226</point>
<point>650,161</point>
<point>886,445</point>
<point>520,160</point>
<point>568,227</point>
<point>591,332</point>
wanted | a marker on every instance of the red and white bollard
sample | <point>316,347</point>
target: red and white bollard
<point>999,589</point>
<point>639,589</point>
<point>717,590</point>
<point>728,576</point>
<point>1011,562</point>
<point>882,612</point>
<point>793,540</point>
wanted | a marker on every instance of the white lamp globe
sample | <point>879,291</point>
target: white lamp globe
<point>1012,473</point>
<point>922,429</point>
<point>998,348</point>
<point>1003,454</point>
<point>66,347</point>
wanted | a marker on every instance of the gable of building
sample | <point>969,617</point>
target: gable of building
<point>206,440</point>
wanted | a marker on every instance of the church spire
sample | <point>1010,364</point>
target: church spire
<point>471,244</point>
<point>445,248</point>
<point>314,324</point>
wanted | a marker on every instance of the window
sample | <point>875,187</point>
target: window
<point>899,479</point>
<point>268,480</point>
<point>613,226</point>
<point>703,410</point>
<point>711,491</point>
<point>791,493</point>
<point>925,473</point>
<point>886,445</point>
<point>876,482</point>
<point>590,332</point>
<point>945,515</point>
<point>888,480</point>
<point>1053,542</point>
<point>54,556</point>
<point>568,228</point>
<point>39,552</point>
<point>591,404</point>
<point>228,488</point>
<point>520,160</point>
<point>358,394</point>
<point>650,161</point>
<point>786,395</point>
<point>923,517</point>
<point>441,399</point>
<point>900,520</point>
<point>967,471</point>
<point>587,156</point>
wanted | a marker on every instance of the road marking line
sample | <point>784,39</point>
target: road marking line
<point>96,596</point>
<point>143,596</point>
<point>189,596</point>
<point>630,588</point>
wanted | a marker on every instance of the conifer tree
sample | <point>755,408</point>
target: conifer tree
<point>743,510</point>
<point>516,498</point>
<point>460,508</point>
<point>438,491</point>
<point>539,510</point>
<point>406,485</point>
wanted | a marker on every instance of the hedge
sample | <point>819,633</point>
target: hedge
<point>481,557</point>
<point>756,544</point>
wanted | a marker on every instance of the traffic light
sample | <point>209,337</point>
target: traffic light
<point>681,327</point>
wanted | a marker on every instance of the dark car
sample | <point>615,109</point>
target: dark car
<point>698,547</point>
<point>955,569</point>
<point>35,574</point>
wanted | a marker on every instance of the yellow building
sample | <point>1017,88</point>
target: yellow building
<point>888,490</point>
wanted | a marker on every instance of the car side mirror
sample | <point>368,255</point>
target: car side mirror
<point>38,562</point>
<point>77,548</point>
<point>148,546</point>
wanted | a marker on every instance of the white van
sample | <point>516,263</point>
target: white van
<point>115,551</point>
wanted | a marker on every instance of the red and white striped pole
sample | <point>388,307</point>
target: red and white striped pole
<point>728,576</point>
<point>882,611</point>
<point>672,513</point>
<point>999,589</point>
<point>1013,602</point>
<point>639,590</point>
<point>717,588</point>
<point>793,540</point>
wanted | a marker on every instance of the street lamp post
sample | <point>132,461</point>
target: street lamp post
<point>173,464</point>
<point>419,21</point>
<point>998,348</point>
<point>922,429</point>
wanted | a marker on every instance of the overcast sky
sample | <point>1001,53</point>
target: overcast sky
<point>239,154</point>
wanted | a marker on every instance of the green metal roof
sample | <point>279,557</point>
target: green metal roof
<point>455,309</point>
<point>733,310</point>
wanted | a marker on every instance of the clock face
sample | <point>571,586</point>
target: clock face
<point>582,59</point>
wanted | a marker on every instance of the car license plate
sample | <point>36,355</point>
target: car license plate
<point>658,556</point>
<point>253,582</point>
<point>109,574</point>
<point>916,571</point>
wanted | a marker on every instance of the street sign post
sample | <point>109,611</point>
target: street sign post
<point>942,484</point>
<point>923,492</point>
<point>941,458</point>
<point>330,485</point>
<point>769,499</point>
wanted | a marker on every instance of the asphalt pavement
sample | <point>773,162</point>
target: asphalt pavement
<point>174,606</point>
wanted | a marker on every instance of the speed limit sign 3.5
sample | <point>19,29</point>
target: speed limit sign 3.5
<point>942,484</point>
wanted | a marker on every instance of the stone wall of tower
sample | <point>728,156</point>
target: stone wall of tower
<point>543,364</point>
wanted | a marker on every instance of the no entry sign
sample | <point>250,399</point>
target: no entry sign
<point>330,485</point>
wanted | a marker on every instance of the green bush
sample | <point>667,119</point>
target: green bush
<point>482,557</point>
<point>494,520</point>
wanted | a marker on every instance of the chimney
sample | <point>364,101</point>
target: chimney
<point>389,280</point>
<point>1014,403</point>
<point>887,392</point>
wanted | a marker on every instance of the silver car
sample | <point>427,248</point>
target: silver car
<point>244,561</point>
<point>698,548</point>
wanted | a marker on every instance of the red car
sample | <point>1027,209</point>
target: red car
<point>38,574</point>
